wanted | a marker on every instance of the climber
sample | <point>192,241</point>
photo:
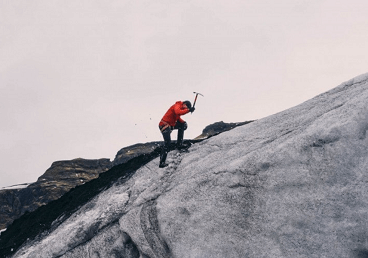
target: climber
<point>170,121</point>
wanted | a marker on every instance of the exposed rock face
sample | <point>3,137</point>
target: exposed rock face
<point>133,151</point>
<point>56,181</point>
<point>219,127</point>
<point>73,170</point>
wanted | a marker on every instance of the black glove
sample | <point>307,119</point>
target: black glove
<point>192,109</point>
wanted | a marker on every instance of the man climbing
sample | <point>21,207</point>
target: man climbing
<point>171,121</point>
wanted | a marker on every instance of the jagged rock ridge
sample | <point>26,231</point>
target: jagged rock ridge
<point>219,127</point>
<point>133,151</point>
<point>55,182</point>
<point>289,185</point>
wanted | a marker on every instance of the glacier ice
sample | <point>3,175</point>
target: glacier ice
<point>289,185</point>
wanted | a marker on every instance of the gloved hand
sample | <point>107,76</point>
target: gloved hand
<point>192,109</point>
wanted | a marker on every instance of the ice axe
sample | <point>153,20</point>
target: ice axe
<point>195,100</point>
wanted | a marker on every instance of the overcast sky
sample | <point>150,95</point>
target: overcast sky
<point>86,78</point>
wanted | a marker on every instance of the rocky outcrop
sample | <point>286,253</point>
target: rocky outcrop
<point>55,182</point>
<point>74,170</point>
<point>133,151</point>
<point>219,127</point>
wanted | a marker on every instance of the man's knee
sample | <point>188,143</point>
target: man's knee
<point>165,148</point>
<point>183,126</point>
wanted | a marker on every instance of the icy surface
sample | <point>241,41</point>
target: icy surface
<point>290,185</point>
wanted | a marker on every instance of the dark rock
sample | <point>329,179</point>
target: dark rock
<point>76,169</point>
<point>219,127</point>
<point>133,151</point>
<point>55,182</point>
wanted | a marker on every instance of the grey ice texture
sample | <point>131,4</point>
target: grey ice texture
<point>293,184</point>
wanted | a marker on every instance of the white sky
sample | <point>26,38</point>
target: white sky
<point>86,78</point>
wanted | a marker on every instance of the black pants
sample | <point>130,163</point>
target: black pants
<point>181,127</point>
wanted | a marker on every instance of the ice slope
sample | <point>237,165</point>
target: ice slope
<point>293,184</point>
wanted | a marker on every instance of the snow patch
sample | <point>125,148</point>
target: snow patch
<point>20,186</point>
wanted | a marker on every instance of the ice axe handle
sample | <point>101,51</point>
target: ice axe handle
<point>195,100</point>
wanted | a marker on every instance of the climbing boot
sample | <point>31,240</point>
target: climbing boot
<point>163,159</point>
<point>163,165</point>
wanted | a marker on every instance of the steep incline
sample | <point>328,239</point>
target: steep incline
<point>289,185</point>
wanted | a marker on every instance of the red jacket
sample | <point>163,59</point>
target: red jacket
<point>174,113</point>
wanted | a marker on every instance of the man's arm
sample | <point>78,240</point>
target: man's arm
<point>180,111</point>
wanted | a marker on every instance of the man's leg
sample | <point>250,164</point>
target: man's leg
<point>166,148</point>
<point>181,128</point>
